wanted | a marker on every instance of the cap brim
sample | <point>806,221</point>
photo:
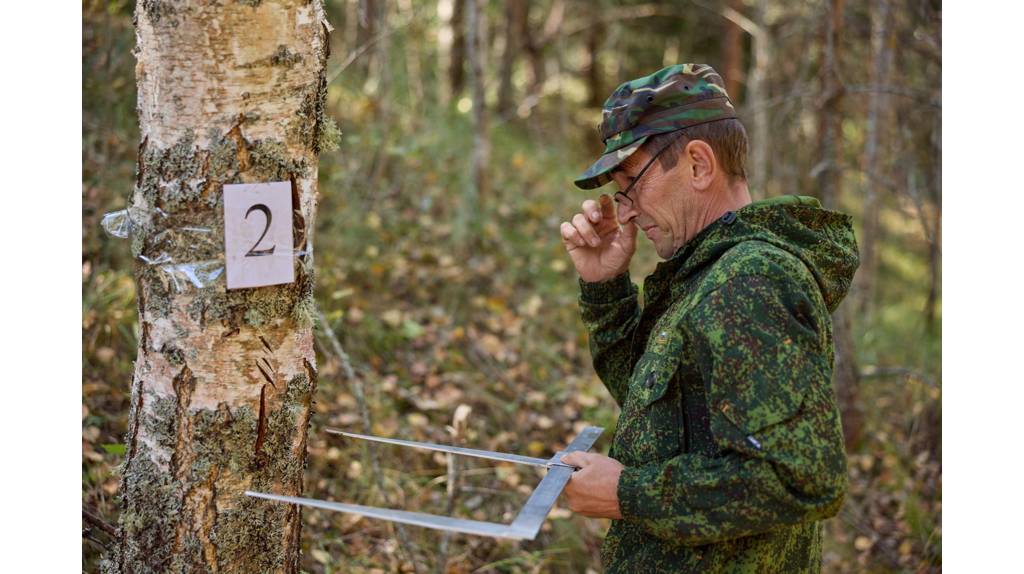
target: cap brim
<point>599,173</point>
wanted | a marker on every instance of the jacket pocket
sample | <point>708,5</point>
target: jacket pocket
<point>650,426</point>
<point>742,414</point>
<point>654,375</point>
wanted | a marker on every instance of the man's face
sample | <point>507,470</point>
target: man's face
<point>659,200</point>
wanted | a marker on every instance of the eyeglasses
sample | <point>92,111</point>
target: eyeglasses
<point>625,198</point>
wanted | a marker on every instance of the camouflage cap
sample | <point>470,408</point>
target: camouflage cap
<point>670,99</point>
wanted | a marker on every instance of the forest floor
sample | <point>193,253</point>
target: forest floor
<point>440,306</point>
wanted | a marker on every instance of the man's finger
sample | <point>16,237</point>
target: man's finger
<point>579,221</point>
<point>570,236</point>
<point>591,210</point>
<point>607,207</point>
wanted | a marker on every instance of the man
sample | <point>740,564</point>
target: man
<point>728,451</point>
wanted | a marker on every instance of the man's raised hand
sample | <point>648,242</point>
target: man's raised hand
<point>600,249</point>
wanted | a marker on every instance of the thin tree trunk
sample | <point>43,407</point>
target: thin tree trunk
<point>457,64</point>
<point>935,245</point>
<point>366,29</point>
<point>846,374</point>
<point>878,100</point>
<point>382,77</point>
<point>732,53</point>
<point>533,44</point>
<point>476,187</point>
<point>383,62</point>
<point>592,70</point>
<point>223,382</point>
<point>830,114</point>
<point>413,63</point>
<point>515,14</point>
<point>757,95</point>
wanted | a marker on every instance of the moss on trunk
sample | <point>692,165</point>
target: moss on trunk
<point>224,380</point>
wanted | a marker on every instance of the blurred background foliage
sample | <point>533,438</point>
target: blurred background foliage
<point>441,271</point>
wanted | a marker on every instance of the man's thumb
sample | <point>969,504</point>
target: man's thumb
<point>577,459</point>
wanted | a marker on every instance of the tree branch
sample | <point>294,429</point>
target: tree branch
<point>94,519</point>
<point>875,372</point>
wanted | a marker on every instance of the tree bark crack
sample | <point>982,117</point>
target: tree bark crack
<point>184,385</point>
<point>261,425</point>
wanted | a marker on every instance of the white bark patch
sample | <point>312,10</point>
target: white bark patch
<point>219,62</point>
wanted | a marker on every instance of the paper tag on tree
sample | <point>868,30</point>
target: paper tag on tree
<point>258,234</point>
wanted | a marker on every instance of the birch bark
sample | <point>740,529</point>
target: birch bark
<point>228,92</point>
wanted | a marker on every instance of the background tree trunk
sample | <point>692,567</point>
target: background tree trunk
<point>846,375</point>
<point>732,53</point>
<point>476,188</point>
<point>533,43</point>
<point>829,177</point>
<point>220,400</point>
<point>592,70</point>
<point>935,240</point>
<point>515,16</point>
<point>457,64</point>
<point>873,174</point>
<point>366,29</point>
<point>757,100</point>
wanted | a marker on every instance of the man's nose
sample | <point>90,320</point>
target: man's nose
<point>626,212</point>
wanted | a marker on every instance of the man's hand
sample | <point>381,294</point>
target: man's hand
<point>593,489</point>
<point>599,248</point>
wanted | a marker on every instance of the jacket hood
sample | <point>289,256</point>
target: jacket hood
<point>822,239</point>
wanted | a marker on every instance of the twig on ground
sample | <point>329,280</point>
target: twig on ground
<point>358,391</point>
<point>458,431</point>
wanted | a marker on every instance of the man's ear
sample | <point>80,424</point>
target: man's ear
<point>702,163</point>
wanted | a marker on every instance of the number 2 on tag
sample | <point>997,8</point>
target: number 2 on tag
<point>253,252</point>
<point>258,250</point>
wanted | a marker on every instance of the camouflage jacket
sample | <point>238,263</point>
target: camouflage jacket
<point>729,429</point>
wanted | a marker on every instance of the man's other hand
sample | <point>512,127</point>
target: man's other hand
<point>599,248</point>
<point>593,489</point>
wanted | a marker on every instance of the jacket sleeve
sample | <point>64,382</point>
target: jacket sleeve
<point>610,313</point>
<point>765,355</point>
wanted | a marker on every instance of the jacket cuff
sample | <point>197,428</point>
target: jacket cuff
<point>616,288</point>
<point>633,483</point>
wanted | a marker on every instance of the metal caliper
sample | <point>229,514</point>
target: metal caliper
<point>527,522</point>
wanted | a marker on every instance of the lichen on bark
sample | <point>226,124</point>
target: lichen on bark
<point>222,450</point>
<point>184,183</point>
<point>223,384</point>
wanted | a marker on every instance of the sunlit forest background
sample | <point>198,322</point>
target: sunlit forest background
<point>448,304</point>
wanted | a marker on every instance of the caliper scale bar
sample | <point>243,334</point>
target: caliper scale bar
<point>526,524</point>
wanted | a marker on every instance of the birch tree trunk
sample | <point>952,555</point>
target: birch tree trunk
<point>228,92</point>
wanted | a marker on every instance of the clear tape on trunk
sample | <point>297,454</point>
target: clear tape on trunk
<point>182,276</point>
<point>117,223</point>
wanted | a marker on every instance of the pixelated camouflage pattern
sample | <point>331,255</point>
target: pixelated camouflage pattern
<point>729,430</point>
<point>672,98</point>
